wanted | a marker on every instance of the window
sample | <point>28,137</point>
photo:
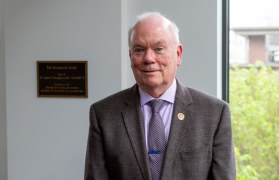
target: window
<point>254,87</point>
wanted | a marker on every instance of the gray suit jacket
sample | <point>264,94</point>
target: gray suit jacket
<point>200,147</point>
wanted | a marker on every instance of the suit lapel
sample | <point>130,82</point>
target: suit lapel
<point>182,104</point>
<point>133,120</point>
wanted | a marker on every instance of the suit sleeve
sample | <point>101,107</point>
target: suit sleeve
<point>95,164</point>
<point>223,162</point>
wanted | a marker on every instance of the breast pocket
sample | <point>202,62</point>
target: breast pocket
<point>193,162</point>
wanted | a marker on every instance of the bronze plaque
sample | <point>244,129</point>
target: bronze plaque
<point>62,79</point>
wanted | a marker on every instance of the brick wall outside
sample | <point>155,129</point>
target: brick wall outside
<point>257,48</point>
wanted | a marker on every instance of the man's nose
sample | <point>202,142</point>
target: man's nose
<point>149,56</point>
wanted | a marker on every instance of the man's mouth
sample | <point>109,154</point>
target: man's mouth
<point>149,71</point>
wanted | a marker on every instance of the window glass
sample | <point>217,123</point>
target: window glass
<point>254,87</point>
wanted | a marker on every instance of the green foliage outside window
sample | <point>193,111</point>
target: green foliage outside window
<point>254,103</point>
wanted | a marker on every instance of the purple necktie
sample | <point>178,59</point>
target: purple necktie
<point>156,139</point>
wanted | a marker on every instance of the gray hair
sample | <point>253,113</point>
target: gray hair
<point>150,15</point>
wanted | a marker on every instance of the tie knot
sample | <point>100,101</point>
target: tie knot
<point>156,104</point>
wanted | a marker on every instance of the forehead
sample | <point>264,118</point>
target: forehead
<point>151,30</point>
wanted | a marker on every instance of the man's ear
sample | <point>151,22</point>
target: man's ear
<point>179,54</point>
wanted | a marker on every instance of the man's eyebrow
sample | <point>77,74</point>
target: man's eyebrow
<point>137,45</point>
<point>160,43</point>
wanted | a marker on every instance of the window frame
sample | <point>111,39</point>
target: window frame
<point>225,50</point>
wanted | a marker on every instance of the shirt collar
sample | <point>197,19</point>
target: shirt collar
<point>168,95</point>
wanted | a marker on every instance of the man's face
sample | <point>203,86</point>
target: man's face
<point>154,56</point>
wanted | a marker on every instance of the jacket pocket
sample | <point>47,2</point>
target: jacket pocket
<point>192,163</point>
<point>195,153</point>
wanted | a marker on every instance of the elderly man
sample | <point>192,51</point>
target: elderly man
<point>159,129</point>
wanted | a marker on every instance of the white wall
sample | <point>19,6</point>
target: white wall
<point>47,136</point>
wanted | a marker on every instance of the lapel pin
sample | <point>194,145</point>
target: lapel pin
<point>180,116</point>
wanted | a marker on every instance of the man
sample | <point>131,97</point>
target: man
<point>188,137</point>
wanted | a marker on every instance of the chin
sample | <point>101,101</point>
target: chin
<point>152,84</point>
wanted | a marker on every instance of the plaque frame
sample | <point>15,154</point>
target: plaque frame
<point>62,79</point>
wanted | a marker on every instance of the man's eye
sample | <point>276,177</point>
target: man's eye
<point>159,49</point>
<point>138,50</point>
